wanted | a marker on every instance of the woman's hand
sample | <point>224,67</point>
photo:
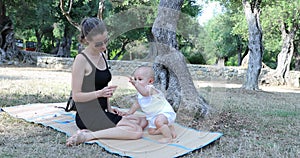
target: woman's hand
<point>106,92</point>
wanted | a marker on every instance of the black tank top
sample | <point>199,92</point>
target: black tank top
<point>88,113</point>
<point>102,78</point>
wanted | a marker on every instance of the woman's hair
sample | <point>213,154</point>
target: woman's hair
<point>90,27</point>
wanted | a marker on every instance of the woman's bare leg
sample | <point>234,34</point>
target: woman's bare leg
<point>125,129</point>
<point>141,121</point>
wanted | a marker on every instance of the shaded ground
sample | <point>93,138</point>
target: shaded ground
<point>255,124</point>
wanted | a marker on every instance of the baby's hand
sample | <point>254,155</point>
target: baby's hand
<point>132,81</point>
<point>116,111</point>
<point>123,113</point>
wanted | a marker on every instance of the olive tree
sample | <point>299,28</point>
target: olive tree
<point>172,74</point>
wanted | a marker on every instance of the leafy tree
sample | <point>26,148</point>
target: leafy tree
<point>284,15</point>
<point>7,39</point>
<point>252,11</point>
<point>130,21</point>
<point>225,44</point>
<point>280,22</point>
<point>38,19</point>
<point>74,12</point>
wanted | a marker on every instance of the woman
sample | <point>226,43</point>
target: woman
<point>90,90</point>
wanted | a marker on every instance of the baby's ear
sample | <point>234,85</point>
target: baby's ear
<point>151,80</point>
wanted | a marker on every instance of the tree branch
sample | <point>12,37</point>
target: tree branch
<point>67,14</point>
<point>101,9</point>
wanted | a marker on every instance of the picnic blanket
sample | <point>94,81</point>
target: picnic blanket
<point>49,115</point>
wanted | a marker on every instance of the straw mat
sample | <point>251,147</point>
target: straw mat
<point>49,115</point>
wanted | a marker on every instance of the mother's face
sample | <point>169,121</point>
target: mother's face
<point>99,42</point>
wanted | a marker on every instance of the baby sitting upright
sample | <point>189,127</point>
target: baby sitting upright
<point>151,101</point>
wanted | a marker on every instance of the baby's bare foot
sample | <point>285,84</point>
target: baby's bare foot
<point>173,133</point>
<point>165,140</point>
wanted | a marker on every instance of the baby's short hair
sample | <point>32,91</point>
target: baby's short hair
<point>148,69</point>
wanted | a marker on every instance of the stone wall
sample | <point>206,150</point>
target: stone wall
<point>55,62</point>
<point>198,72</point>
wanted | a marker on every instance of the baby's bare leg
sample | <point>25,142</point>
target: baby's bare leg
<point>166,132</point>
<point>173,133</point>
<point>161,123</point>
<point>154,131</point>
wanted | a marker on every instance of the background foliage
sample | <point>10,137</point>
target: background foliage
<point>225,36</point>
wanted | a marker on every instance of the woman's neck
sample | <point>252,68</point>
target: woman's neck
<point>91,52</point>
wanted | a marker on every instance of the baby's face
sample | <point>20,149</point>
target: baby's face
<point>141,78</point>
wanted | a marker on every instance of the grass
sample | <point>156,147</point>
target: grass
<point>254,124</point>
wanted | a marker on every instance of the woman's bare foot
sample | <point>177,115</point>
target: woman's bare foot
<point>78,138</point>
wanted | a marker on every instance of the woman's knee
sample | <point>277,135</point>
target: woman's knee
<point>139,134</point>
<point>134,131</point>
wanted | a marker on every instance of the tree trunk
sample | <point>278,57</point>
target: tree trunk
<point>64,49</point>
<point>221,62</point>
<point>284,58</point>
<point>152,47</point>
<point>9,51</point>
<point>171,72</point>
<point>39,40</point>
<point>252,13</point>
<point>297,60</point>
<point>101,8</point>
<point>240,50</point>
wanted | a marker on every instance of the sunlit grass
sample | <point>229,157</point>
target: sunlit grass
<point>254,124</point>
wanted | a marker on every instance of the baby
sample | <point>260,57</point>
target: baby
<point>158,111</point>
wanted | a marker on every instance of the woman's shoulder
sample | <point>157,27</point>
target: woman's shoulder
<point>80,57</point>
<point>80,60</point>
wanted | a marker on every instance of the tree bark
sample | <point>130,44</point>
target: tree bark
<point>67,13</point>
<point>152,48</point>
<point>101,8</point>
<point>285,56</point>
<point>281,75</point>
<point>171,72</point>
<point>252,12</point>
<point>240,50</point>
<point>38,36</point>
<point>9,51</point>
<point>221,62</point>
<point>297,60</point>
